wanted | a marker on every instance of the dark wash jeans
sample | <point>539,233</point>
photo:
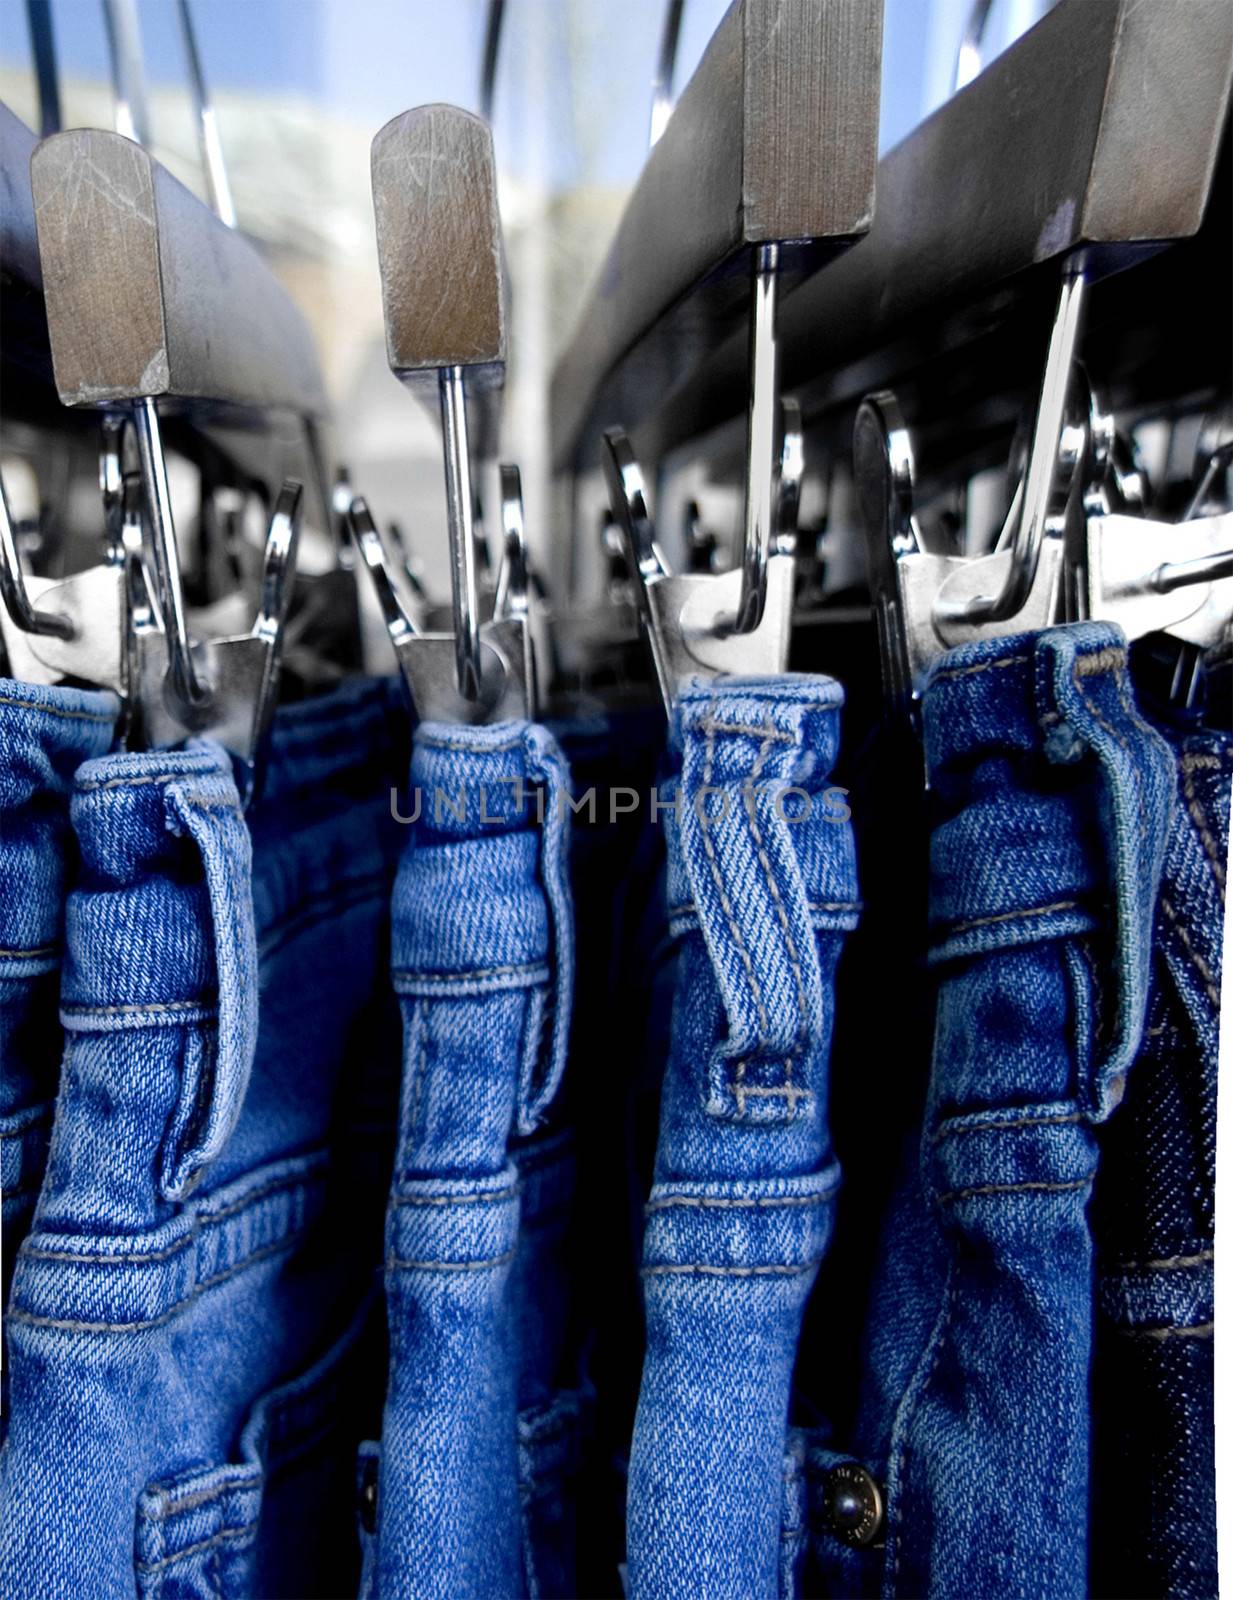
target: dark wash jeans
<point>188,1314</point>
<point>45,735</point>
<point>485,1408</point>
<point>1052,801</point>
<point>1153,1473</point>
<point>761,889</point>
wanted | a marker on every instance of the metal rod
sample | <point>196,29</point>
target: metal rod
<point>759,529</point>
<point>43,46</point>
<point>458,502</point>
<point>128,78</point>
<point>492,52</point>
<point>969,58</point>
<point>13,586</point>
<point>1201,569</point>
<point>181,666</point>
<point>1029,534</point>
<point>217,182</point>
<point>662,98</point>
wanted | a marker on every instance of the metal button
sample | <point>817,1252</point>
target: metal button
<point>853,1505</point>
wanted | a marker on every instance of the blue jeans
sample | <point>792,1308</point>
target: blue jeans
<point>190,1309</point>
<point>484,1409</point>
<point>1153,1476</point>
<point>761,889</point>
<point>1052,801</point>
<point>45,735</point>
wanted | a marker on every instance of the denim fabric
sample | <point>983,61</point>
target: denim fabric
<point>1153,1479</point>
<point>1052,801</point>
<point>761,888</point>
<point>45,735</point>
<point>187,1323</point>
<point>478,1441</point>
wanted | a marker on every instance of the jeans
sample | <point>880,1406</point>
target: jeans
<point>1052,800</point>
<point>1153,1477</point>
<point>190,1310</point>
<point>485,1407</point>
<point>761,889</point>
<point>45,735</point>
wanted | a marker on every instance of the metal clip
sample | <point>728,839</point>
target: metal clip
<point>238,676</point>
<point>690,619</point>
<point>79,630</point>
<point>1188,595</point>
<point>505,675</point>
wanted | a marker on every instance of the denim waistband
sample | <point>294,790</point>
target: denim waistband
<point>1054,798</point>
<point>45,735</point>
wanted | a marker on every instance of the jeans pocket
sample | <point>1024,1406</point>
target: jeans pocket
<point>277,1519</point>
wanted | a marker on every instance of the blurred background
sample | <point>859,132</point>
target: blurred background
<point>301,86</point>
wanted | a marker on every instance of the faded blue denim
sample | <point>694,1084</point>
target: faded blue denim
<point>45,735</point>
<point>1153,1477</point>
<point>188,1312</point>
<point>1052,801</point>
<point>761,889</point>
<point>484,1411</point>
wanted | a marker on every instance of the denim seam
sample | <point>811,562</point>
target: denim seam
<point>457,1199</point>
<point>766,731</point>
<point>758,1201</point>
<point>981,666</point>
<point>896,1470</point>
<point>708,772</point>
<point>55,711</point>
<point>1011,916</point>
<point>1201,967</point>
<point>426,975</point>
<point>402,1264</point>
<point>170,1507</point>
<point>70,1325</point>
<point>1036,1186</point>
<point>794,959</point>
<point>1190,762</point>
<point>690,909</point>
<point>225,1534</point>
<point>705,1269</point>
<point>437,742</point>
<point>1163,1263</point>
<point>1198,1330</point>
<point>203,1006</point>
<point>1018,1122</point>
<point>28,955</point>
<point>30,1117</point>
<point>131,783</point>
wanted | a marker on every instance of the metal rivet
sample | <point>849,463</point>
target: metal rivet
<point>854,1507</point>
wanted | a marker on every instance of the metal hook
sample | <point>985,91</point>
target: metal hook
<point>687,617</point>
<point>492,52</point>
<point>132,113</point>
<point>968,57</point>
<point>885,473</point>
<point>662,98</point>
<point>16,599</point>
<point>791,474</point>
<point>165,554</point>
<point>1049,444</point>
<point>459,512</point>
<point>217,182</point>
<point>43,48</point>
<point>757,540</point>
<point>512,598</point>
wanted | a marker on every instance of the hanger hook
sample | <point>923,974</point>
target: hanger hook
<point>492,52</point>
<point>758,534</point>
<point>512,596</point>
<point>13,585</point>
<point>459,505</point>
<point>180,664</point>
<point>662,98</point>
